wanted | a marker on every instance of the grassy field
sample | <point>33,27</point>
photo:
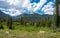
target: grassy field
<point>20,31</point>
<point>29,32</point>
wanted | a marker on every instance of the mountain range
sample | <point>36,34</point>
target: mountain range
<point>28,17</point>
<point>36,17</point>
<point>3,16</point>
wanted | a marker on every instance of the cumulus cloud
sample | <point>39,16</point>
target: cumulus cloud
<point>27,5</point>
<point>17,12</point>
<point>11,11</point>
<point>48,9</point>
<point>19,6</point>
<point>35,7</point>
<point>2,0</point>
<point>4,4</point>
<point>39,5</point>
<point>17,3</point>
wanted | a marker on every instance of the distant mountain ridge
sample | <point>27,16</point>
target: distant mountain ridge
<point>3,16</point>
<point>36,17</point>
<point>28,17</point>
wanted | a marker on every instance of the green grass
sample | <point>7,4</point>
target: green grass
<point>26,34</point>
<point>21,31</point>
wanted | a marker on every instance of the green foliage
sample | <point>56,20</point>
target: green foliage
<point>21,21</point>
<point>57,13</point>
<point>9,22</point>
<point>1,26</point>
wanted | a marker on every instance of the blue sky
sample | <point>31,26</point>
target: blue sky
<point>17,7</point>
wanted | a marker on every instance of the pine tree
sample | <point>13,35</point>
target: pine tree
<point>48,21</point>
<point>9,23</point>
<point>21,21</point>
<point>1,26</point>
<point>57,14</point>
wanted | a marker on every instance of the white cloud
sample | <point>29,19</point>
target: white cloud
<point>48,9</point>
<point>11,11</point>
<point>39,5</point>
<point>17,3</point>
<point>2,0</point>
<point>16,13</point>
<point>27,5</point>
<point>34,5</point>
<point>14,4</point>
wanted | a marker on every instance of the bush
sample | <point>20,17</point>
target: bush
<point>1,26</point>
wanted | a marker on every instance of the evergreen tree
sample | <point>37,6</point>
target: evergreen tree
<point>48,20</point>
<point>25,23</point>
<point>42,24</point>
<point>9,24</point>
<point>1,26</point>
<point>57,14</point>
<point>38,24</point>
<point>21,21</point>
